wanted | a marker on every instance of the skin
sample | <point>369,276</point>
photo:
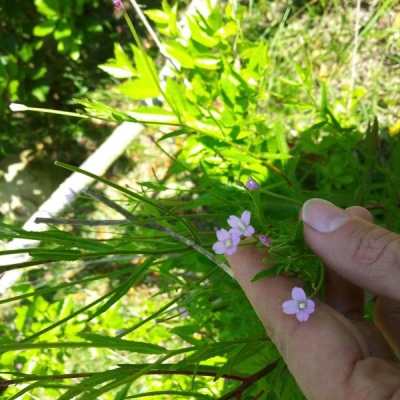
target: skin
<point>335,354</point>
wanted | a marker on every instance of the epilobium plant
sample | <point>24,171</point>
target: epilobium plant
<point>220,109</point>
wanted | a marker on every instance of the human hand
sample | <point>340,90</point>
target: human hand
<point>335,354</point>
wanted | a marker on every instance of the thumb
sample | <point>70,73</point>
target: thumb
<point>361,252</point>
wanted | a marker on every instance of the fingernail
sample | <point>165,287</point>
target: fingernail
<point>322,215</point>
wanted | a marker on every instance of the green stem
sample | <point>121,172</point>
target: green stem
<point>48,111</point>
<point>152,73</point>
<point>129,193</point>
<point>98,196</point>
<point>131,378</point>
<point>278,196</point>
<point>320,282</point>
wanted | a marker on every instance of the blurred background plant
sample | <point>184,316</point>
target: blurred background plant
<point>300,96</point>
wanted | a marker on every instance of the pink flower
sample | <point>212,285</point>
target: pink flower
<point>241,225</point>
<point>251,184</point>
<point>227,242</point>
<point>299,305</point>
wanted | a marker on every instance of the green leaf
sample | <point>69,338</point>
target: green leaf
<point>154,186</point>
<point>146,68</point>
<point>200,36</point>
<point>207,62</point>
<point>266,273</point>
<point>176,96</point>
<point>63,30</point>
<point>147,85</point>
<point>56,237</point>
<point>244,352</point>
<point>158,16</point>
<point>57,254</point>
<point>179,53</point>
<point>45,28</point>
<point>121,66</point>
<point>209,351</point>
<point>134,195</point>
<point>123,393</point>
<point>123,288</point>
<point>139,89</point>
<point>154,114</point>
<point>178,132</point>
<point>69,239</point>
<point>116,71</point>
<point>166,19</point>
<point>88,385</point>
<point>49,8</point>
<point>134,347</point>
<point>230,29</point>
<point>99,110</point>
<point>40,92</point>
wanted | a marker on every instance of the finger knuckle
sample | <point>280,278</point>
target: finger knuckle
<point>375,246</point>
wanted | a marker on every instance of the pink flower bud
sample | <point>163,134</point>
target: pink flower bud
<point>264,239</point>
<point>118,5</point>
<point>251,184</point>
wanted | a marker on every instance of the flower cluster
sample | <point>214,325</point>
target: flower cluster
<point>229,240</point>
<point>299,305</point>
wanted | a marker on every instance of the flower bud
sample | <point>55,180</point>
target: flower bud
<point>251,184</point>
<point>118,5</point>
<point>18,107</point>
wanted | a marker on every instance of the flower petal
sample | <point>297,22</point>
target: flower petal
<point>246,215</point>
<point>219,248</point>
<point>223,235</point>
<point>290,307</point>
<point>233,221</point>
<point>236,231</point>
<point>302,315</point>
<point>249,231</point>
<point>299,294</point>
<point>310,306</point>
<point>231,250</point>
<point>235,237</point>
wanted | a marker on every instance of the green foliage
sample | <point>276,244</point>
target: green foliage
<point>50,53</point>
<point>237,104</point>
